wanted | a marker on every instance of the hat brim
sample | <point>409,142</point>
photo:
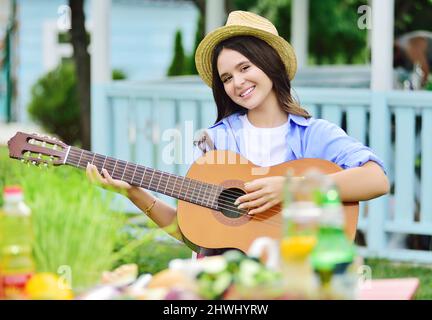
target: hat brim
<point>204,52</point>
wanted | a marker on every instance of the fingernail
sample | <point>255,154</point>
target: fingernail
<point>236,202</point>
<point>241,206</point>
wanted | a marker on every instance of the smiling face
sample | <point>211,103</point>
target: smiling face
<point>245,84</point>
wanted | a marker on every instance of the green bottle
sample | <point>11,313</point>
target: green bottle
<point>334,253</point>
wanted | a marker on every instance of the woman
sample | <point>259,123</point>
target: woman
<point>249,67</point>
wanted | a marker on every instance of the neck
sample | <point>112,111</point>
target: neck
<point>182,188</point>
<point>269,114</point>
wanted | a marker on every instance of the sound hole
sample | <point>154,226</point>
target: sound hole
<point>226,203</point>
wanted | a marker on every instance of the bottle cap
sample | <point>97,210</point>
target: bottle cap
<point>13,193</point>
<point>12,190</point>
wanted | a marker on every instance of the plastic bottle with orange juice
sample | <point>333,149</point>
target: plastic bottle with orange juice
<point>16,239</point>
<point>301,215</point>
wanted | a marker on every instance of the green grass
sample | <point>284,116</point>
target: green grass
<point>382,269</point>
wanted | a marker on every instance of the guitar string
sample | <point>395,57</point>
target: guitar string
<point>231,192</point>
<point>257,216</point>
<point>228,206</point>
<point>204,193</point>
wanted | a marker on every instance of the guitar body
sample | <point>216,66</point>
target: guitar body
<point>213,229</point>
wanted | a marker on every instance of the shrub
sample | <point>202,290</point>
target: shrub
<point>54,103</point>
<point>178,64</point>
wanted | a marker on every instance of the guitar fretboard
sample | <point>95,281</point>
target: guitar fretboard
<point>190,190</point>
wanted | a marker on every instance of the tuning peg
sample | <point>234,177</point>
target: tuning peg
<point>43,144</point>
<point>34,163</point>
<point>55,147</point>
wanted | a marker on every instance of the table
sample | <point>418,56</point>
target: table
<point>389,289</point>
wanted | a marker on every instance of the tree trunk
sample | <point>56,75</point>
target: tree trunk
<point>82,67</point>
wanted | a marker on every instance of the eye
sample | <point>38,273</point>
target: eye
<point>226,79</point>
<point>244,68</point>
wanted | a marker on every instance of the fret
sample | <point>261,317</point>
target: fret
<point>173,190</point>
<point>133,175</point>
<point>112,174</point>
<point>181,187</point>
<point>142,176</point>
<point>151,179</point>
<point>82,151</point>
<point>166,185</point>
<point>193,190</point>
<point>99,160</point>
<point>85,158</point>
<point>120,164</point>
<point>187,188</point>
<point>103,164</point>
<point>200,198</point>
<point>160,178</point>
<point>94,155</point>
<point>206,197</point>
<point>124,170</point>
<point>216,195</point>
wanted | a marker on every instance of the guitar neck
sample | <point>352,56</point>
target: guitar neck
<point>182,188</point>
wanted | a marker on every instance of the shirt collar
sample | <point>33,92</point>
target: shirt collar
<point>234,119</point>
<point>299,120</point>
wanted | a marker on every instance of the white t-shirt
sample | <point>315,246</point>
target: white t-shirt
<point>264,146</point>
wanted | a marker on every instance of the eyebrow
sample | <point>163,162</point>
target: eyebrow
<point>236,66</point>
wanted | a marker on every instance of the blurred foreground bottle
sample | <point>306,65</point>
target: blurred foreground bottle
<point>16,239</point>
<point>301,214</point>
<point>333,257</point>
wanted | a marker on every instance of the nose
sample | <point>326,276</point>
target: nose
<point>238,81</point>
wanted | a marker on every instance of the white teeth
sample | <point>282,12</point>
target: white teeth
<point>247,91</point>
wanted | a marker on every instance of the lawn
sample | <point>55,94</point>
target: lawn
<point>382,269</point>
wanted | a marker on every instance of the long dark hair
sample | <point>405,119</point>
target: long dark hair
<point>265,58</point>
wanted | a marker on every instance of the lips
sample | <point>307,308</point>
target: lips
<point>247,92</point>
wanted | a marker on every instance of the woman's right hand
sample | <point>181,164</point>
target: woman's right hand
<point>106,181</point>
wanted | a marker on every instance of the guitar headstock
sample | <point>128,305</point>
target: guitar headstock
<point>37,149</point>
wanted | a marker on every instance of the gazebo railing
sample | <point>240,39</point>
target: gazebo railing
<point>154,125</point>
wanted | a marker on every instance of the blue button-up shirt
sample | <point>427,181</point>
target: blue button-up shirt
<point>305,138</point>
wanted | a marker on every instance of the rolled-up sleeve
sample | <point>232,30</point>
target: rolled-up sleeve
<point>327,141</point>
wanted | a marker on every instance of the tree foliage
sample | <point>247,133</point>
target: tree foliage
<point>334,36</point>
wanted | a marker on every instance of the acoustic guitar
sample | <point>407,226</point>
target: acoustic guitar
<point>207,216</point>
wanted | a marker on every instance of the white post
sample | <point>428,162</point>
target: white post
<point>215,14</point>
<point>100,41</point>
<point>100,73</point>
<point>382,44</point>
<point>300,30</point>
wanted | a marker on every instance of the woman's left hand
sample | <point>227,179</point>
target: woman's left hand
<point>262,194</point>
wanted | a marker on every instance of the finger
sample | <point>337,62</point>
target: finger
<point>253,185</point>
<point>263,208</point>
<point>97,176</point>
<point>253,204</point>
<point>249,197</point>
<point>89,173</point>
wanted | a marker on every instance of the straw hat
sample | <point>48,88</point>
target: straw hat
<point>242,23</point>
